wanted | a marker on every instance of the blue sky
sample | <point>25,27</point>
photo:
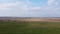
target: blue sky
<point>29,8</point>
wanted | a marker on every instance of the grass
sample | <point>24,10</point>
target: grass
<point>29,27</point>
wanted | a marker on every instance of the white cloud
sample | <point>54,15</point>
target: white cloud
<point>24,6</point>
<point>52,2</point>
<point>28,2</point>
<point>7,5</point>
<point>36,8</point>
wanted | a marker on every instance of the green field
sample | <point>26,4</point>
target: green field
<point>29,27</point>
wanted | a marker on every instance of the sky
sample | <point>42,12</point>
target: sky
<point>29,8</point>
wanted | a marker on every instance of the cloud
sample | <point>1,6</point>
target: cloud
<point>25,8</point>
<point>36,8</point>
<point>51,10</point>
<point>52,2</point>
<point>22,5</point>
<point>28,2</point>
<point>7,5</point>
